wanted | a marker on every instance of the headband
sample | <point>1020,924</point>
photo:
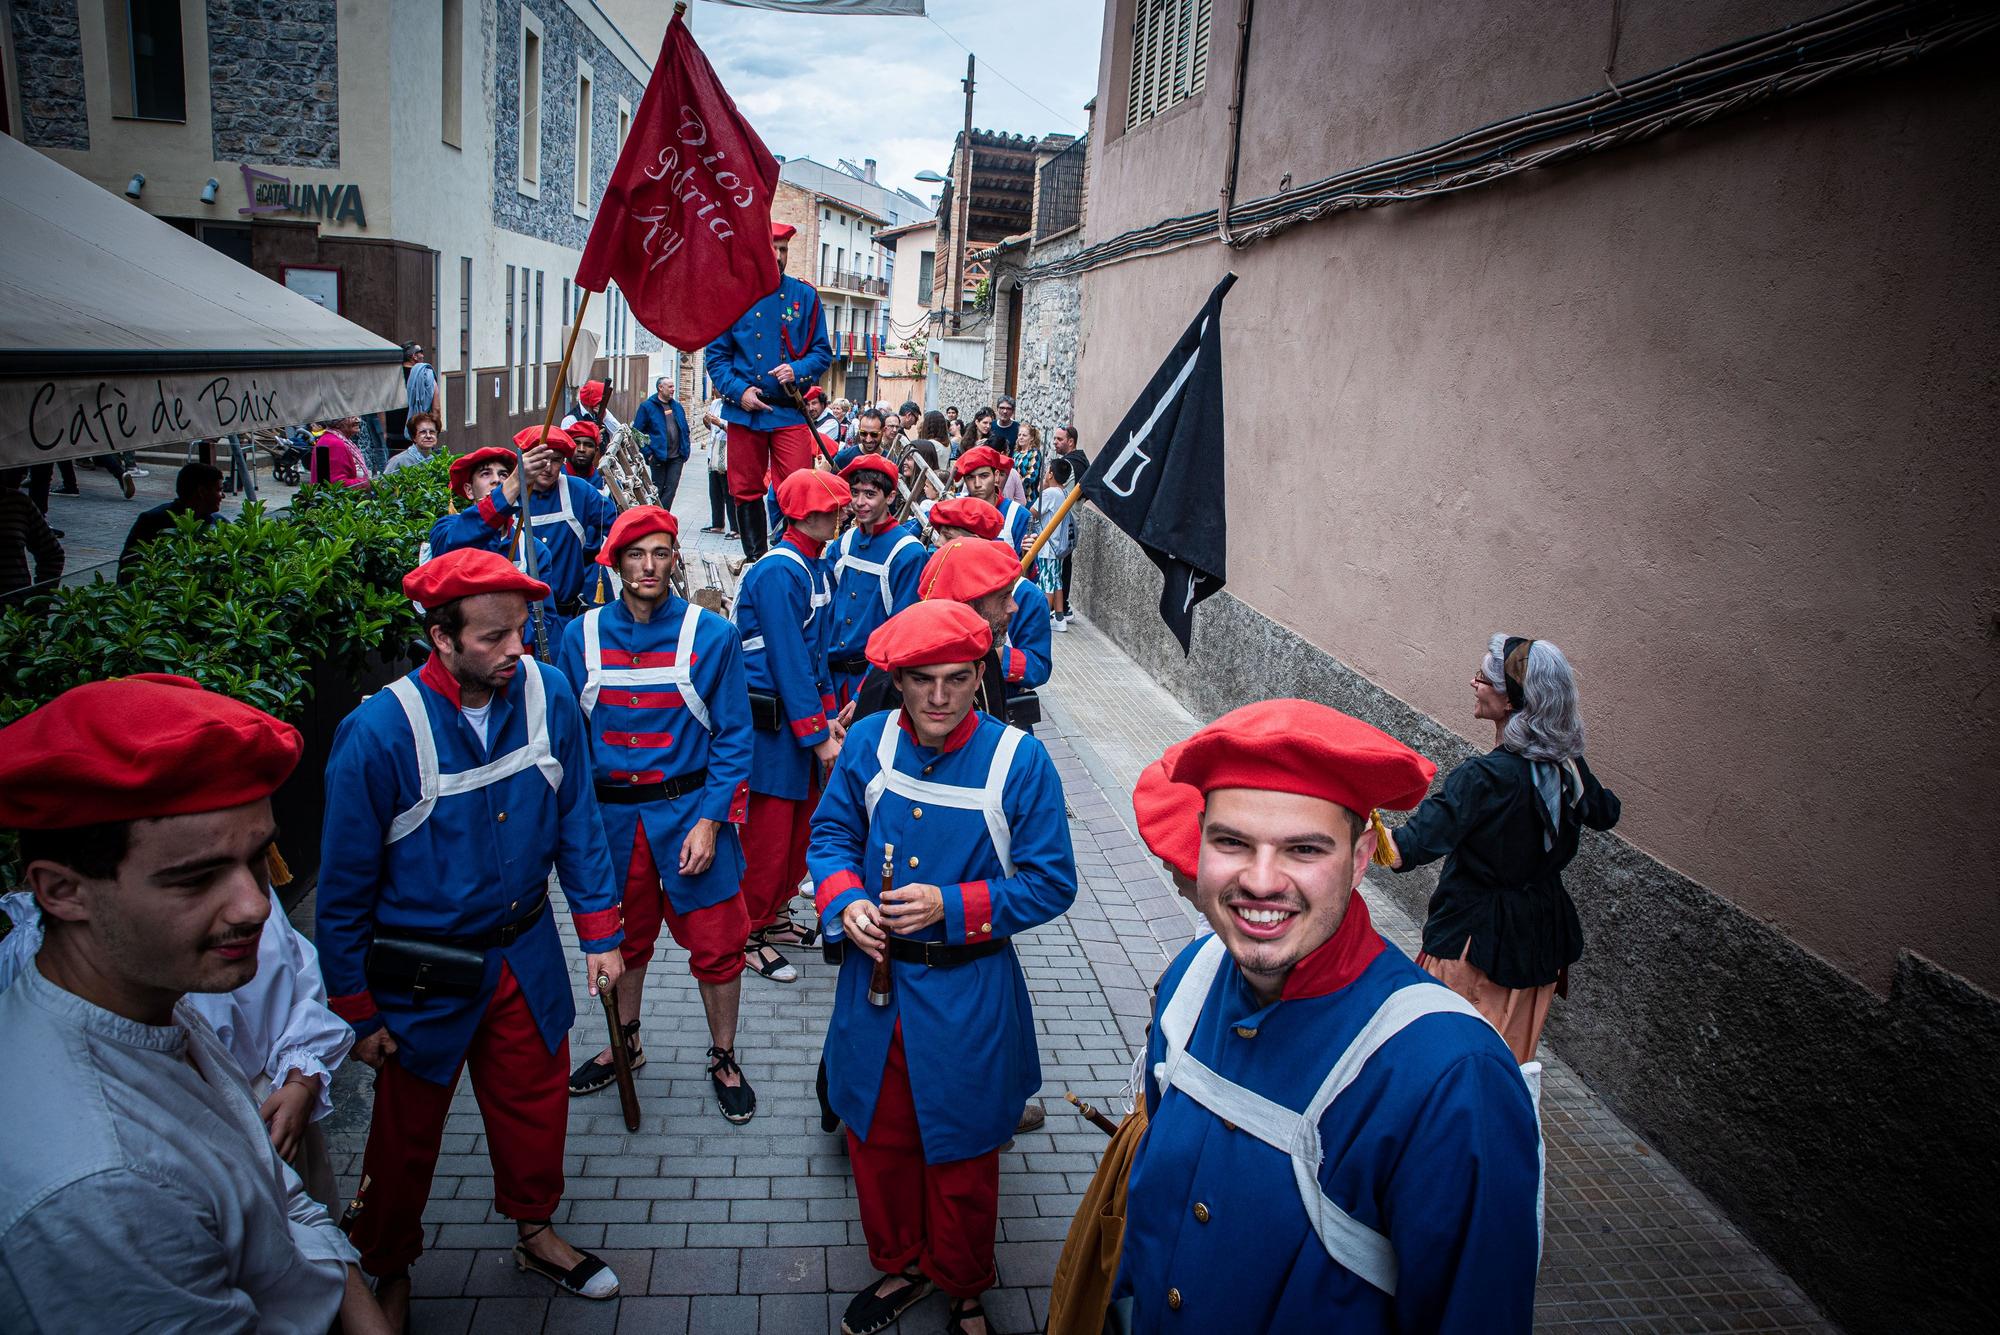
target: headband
<point>1514,668</point>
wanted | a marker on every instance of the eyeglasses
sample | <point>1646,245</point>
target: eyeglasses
<point>871,435</point>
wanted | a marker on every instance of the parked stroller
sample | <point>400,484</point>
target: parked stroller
<point>289,452</point>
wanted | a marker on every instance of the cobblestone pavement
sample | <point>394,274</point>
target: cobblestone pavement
<point>716,1228</point>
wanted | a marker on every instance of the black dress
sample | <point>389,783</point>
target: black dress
<point>1501,888</point>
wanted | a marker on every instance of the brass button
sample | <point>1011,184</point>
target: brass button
<point>929,768</point>
<point>502,817</point>
<point>1200,1213</point>
<point>986,927</point>
<point>1228,1125</point>
<point>1245,1031</point>
<point>913,861</point>
<point>1174,1299</point>
<point>917,812</point>
<point>514,905</point>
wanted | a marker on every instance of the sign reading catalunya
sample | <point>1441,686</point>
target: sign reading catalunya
<point>270,193</point>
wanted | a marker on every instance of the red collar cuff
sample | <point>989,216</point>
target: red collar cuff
<point>1340,959</point>
<point>803,543</point>
<point>959,735</point>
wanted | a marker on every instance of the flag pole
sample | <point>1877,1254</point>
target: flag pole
<point>521,464</point>
<point>1048,529</point>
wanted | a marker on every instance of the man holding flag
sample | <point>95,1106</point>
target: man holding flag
<point>777,344</point>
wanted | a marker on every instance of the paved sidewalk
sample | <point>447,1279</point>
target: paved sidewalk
<point>720,1228</point>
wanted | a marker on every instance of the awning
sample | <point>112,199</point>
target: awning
<point>118,331</point>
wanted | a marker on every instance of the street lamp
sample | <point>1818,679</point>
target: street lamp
<point>931,177</point>
<point>208,191</point>
<point>134,186</point>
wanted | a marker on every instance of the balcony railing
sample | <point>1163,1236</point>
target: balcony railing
<point>849,281</point>
<point>1061,203</point>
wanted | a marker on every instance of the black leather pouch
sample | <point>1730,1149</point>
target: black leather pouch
<point>425,968</point>
<point>764,713</point>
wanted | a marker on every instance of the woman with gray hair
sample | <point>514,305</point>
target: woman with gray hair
<point>1502,931</point>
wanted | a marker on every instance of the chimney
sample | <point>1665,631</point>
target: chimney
<point>868,165</point>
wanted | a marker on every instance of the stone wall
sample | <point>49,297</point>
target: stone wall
<point>48,61</point>
<point>1849,1132</point>
<point>964,392</point>
<point>274,81</point>
<point>1051,333</point>
<point>565,38</point>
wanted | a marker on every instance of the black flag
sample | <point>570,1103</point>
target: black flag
<point>1159,475</point>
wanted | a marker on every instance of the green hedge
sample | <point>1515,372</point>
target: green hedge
<point>246,608</point>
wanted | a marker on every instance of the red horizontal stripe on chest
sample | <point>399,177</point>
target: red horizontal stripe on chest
<point>618,658</point>
<point>637,739</point>
<point>641,699</point>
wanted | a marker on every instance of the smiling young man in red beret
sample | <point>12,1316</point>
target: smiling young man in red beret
<point>780,341</point>
<point>932,1079</point>
<point>1335,1140</point>
<point>983,470</point>
<point>151,1196</point>
<point>569,514</point>
<point>491,520</point>
<point>463,785</point>
<point>661,685</point>
<point>784,611</point>
<point>875,569</point>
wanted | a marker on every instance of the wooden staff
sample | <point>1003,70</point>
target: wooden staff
<point>621,1060</point>
<point>882,980</point>
<point>1096,1118</point>
<point>543,649</point>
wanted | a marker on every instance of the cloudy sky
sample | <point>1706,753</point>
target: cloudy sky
<point>888,88</point>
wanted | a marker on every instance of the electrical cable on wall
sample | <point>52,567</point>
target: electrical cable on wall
<point>1690,93</point>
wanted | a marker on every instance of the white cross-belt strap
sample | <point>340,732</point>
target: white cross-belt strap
<point>680,676</point>
<point>880,570</point>
<point>565,513</point>
<point>821,595</point>
<point>989,800</point>
<point>431,785</point>
<point>1349,1242</point>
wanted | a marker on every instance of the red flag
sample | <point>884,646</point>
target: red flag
<point>684,227</point>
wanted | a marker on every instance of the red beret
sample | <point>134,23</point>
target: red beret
<point>584,429</point>
<point>559,440</point>
<point>782,232</point>
<point>968,568</point>
<point>142,746</point>
<point>1169,815</point>
<point>969,513</point>
<point>465,572</point>
<point>873,463</point>
<point>925,634</point>
<point>815,394</point>
<point>1297,746</point>
<point>465,465</point>
<point>810,492</point>
<point>978,457</point>
<point>641,521</point>
<point>590,393</point>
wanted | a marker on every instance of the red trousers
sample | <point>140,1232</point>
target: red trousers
<point>759,460</point>
<point>774,852</point>
<point>523,1095</point>
<point>938,1216</point>
<point>713,937</point>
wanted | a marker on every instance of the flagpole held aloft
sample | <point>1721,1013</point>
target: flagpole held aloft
<point>1049,527</point>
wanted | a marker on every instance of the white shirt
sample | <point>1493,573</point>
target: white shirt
<point>273,1025</point>
<point>138,1189</point>
<point>478,717</point>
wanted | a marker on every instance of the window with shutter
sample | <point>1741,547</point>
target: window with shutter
<point>1169,56</point>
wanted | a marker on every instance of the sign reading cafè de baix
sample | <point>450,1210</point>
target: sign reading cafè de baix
<point>270,193</point>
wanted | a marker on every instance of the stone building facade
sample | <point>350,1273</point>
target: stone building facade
<point>274,82</point>
<point>47,72</point>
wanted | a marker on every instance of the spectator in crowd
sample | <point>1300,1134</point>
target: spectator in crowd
<point>951,414</point>
<point>369,438</point>
<point>396,420</point>
<point>1502,930</point>
<point>23,530</point>
<point>152,1199</point>
<point>835,424</point>
<point>593,400</point>
<point>664,424</point>
<point>721,512</point>
<point>197,491</point>
<point>1003,431</point>
<point>1055,552</point>
<point>42,476</point>
<point>869,438</point>
<point>1066,447</point>
<point>426,434</point>
<point>911,415</point>
<point>334,457</point>
<point>982,429</point>
<point>420,379</point>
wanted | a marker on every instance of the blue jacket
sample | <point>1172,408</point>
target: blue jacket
<point>650,422</point>
<point>1015,521</point>
<point>467,864</point>
<point>782,613</point>
<point>1027,655</point>
<point>490,525</point>
<point>1434,1146</point>
<point>574,538</point>
<point>874,577</point>
<point>652,729</point>
<point>968,1032</point>
<point>787,326</point>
